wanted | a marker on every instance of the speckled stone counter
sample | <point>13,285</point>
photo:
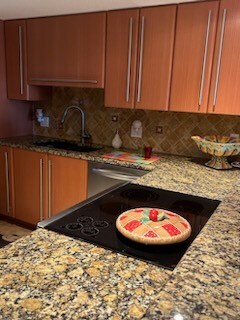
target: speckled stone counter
<point>50,276</point>
<point>28,143</point>
<point>186,176</point>
<point>174,173</point>
<point>206,283</point>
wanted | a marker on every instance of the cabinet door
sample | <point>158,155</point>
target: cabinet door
<point>67,180</point>
<point>225,93</point>
<point>30,178</point>
<point>156,39</point>
<point>16,63</point>
<point>6,182</point>
<point>15,35</point>
<point>193,53</point>
<point>67,50</point>
<point>121,56</point>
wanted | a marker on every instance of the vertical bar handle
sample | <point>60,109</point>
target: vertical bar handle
<point>7,181</point>
<point>140,61</point>
<point>204,60</point>
<point>129,58</point>
<point>41,189</point>
<point>219,58</point>
<point>20,58</point>
<point>49,188</point>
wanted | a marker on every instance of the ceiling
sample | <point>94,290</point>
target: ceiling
<point>14,9</point>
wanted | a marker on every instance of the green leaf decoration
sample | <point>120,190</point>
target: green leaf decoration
<point>145,217</point>
<point>161,216</point>
<point>145,220</point>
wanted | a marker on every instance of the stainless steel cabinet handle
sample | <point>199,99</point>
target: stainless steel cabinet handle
<point>204,60</point>
<point>140,61</point>
<point>20,58</point>
<point>129,58</point>
<point>219,57</point>
<point>115,174</point>
<point>41,189</point>
<point>7,181</point>
<point>63,80</point>
<point>49,188</point>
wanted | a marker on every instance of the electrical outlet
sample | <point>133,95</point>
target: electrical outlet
<point>45,122</point>
<point>114,118</point>
<point>159,129</point>
<point>234,135</point>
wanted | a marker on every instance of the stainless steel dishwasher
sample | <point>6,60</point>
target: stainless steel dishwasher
<point>102,176</point>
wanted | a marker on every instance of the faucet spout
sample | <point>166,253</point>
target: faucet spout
<point>84,134</point>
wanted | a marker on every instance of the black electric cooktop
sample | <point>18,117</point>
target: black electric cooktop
<point>95,221</point>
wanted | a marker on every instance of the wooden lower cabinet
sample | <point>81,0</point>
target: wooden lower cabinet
<point>46,185</point>
<point>67,179</point>
<point>6,182</point>
<point>30,181</point>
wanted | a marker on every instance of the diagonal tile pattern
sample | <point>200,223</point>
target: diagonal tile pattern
<point>177,127</point>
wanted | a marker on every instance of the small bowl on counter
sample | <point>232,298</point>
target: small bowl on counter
<point>220,147</point>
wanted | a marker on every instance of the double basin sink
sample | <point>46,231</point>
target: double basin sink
<point>66,145</point>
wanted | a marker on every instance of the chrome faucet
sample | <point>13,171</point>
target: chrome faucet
<point>84,133</point>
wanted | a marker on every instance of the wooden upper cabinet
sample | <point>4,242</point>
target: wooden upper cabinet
<point>139,57</point>
<point>30,185</point>
<point>16,63</point>
<point>67,50</point>
<point>193,54</point>
<point>225,93</point>
<point>67,183</point>
<point>6,182</point>
<point>121,57</point>
<point>156,40</point>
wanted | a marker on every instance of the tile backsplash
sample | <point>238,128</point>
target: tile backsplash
<point>178,127</point>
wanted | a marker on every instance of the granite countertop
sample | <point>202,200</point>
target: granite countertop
<point>174,173</point>
<point>51,276</point>
<point>28,143</point>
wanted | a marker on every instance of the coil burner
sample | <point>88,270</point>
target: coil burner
<point>85,219</point>
<point>74,226</point>
<point>100,224</point>
<point>90,231</point>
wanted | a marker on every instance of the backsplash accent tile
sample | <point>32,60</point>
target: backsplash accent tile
<point>178,127</point>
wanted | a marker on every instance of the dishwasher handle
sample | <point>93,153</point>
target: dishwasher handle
<point>113,174</point>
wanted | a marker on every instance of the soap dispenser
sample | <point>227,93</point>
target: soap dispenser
<point>117,141</point>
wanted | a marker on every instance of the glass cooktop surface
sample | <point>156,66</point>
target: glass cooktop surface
<point>95,222</point>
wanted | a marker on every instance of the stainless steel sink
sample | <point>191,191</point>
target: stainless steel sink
<point>66,145</point>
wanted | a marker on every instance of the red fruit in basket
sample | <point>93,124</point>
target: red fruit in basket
<point>153,215</point>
